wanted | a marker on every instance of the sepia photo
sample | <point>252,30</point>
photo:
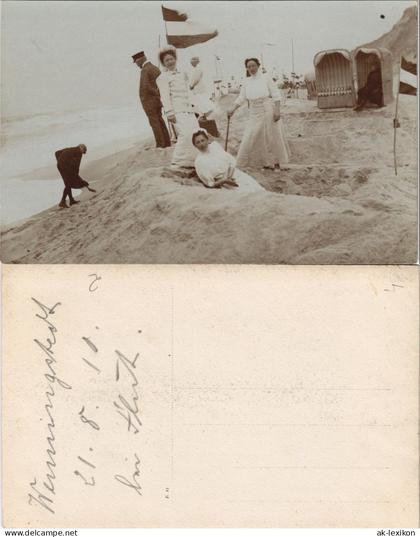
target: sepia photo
<point>209,261</point>
<point>209,132</point>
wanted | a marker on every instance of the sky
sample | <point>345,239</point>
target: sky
<point>58,56</point>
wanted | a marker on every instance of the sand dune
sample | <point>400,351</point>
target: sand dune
<point>338,202</point>
<point>401,40</point>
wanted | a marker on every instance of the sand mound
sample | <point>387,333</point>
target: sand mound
<point>337,202</point>
<point>401,40</point>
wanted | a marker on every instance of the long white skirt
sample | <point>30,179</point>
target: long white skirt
<point>184,153</point>
<point>246,182</point>
<point>264,142</point>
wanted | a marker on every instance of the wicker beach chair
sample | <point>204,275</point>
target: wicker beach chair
<point>334,79</point>
<point>363,61</point>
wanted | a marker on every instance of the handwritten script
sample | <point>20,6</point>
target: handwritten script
<point>43,490</point>
<point>203,397</point>
<point>93,414</point>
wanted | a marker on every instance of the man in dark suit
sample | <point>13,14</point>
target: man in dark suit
<point>150,99</point>
<point>68,164</point>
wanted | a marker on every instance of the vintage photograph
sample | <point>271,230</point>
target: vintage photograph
<point>209,132</point>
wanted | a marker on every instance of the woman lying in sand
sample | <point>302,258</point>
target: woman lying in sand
<point>217,169</point>
<point>176,99</point>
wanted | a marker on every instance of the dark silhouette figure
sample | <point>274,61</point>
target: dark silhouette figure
<point>372,90</point>
<point>68,164</point>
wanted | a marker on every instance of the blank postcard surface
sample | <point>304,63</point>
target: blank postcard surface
<point>210,396</point>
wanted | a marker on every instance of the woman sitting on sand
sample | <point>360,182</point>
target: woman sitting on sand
<point>175,96</point>
<point>217,169</point>
<point>264,143</point>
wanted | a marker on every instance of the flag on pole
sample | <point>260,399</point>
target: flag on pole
<point>172,15</point>
<point>407,85</point>
<point>182,32</point>
<point>408,77</point>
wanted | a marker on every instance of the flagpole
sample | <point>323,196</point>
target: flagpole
<point>293,59</point>
<point>172,130</point>
<point>166,26</point>
<point>396,125</point>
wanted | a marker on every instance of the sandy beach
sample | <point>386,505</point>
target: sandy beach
<point>338,201</point>
<point>29,174</point>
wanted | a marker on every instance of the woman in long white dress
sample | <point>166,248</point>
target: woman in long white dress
<point>217,169</point>
<point>264,142</point>
<point>176,100</point>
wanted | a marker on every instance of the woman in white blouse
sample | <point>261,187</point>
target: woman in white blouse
<point>176,100</point>
<point>217,169</point>
<point>264,143</point>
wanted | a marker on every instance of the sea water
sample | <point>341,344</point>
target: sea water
<point>30,181</point>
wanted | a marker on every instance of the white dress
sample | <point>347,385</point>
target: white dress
<point>264,142</point>
<point>213,164</point>
<point>200,94</point>
<point>175,96</point>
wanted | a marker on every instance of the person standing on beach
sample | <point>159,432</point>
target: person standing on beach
<point>150,99</point>
<point>200,98</point>
<point>68,164</point>
<point>264,143</point>
<point>176,98</point>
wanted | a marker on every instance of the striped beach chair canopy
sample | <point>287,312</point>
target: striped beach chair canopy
<point>333,70</point>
